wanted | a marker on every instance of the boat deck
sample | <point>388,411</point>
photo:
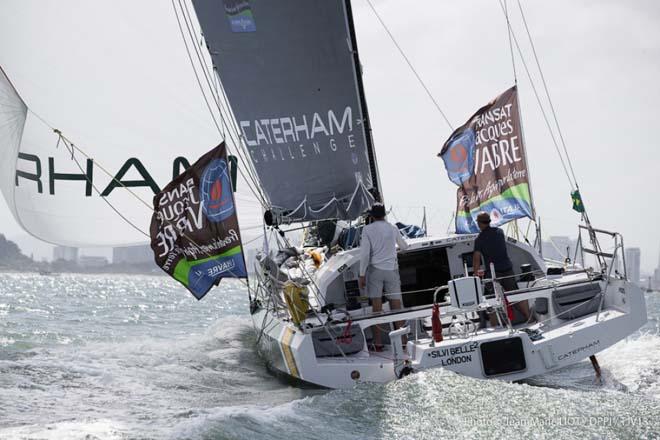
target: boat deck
<point>547,332</point>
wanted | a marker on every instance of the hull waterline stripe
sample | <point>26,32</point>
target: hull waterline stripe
<point>289,359</point>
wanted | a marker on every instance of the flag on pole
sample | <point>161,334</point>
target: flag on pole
<point>577,201</point>
<point>194,228</point>
<point>485,157</point>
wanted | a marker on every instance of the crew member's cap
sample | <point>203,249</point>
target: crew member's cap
<point>377,210</point>
<point>483,217</point>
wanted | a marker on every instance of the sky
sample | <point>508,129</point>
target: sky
<point>115,74</point>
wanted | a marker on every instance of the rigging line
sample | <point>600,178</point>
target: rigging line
<point>256,189</point>
<point>199,83</point>
<point>547,93</point>
<point>538,100</point>
<point>230,126</point>
<point>240,145</point>
<point>193,42</point>
<point>114,178</point>
<point>74,147</point>
<point>412,68</point>
<point>252,240</point>
<point>186,111</point>
<point>215,86</point>
<point>195,70</point>
<point>240,149</point>
<point>208,77</point>
<point>229,121</point>
<point>554,245</point>
<point>70,146</point>
<point>509,30</point>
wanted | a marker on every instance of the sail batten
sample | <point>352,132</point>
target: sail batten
<point>289,71</point>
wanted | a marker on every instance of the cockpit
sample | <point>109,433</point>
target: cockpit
<point>427,264</point>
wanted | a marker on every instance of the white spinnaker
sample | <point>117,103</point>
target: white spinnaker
<point>13,113</point>
<point>119,87</point>
<point>55,208</point>
<point>60,211</point>
<point>68,216</point>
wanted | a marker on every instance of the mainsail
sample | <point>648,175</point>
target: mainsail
<point>485,157</point>
<point>289,71</point>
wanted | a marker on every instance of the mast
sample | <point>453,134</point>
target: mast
<point>522,133</point>
<point>373,164</point>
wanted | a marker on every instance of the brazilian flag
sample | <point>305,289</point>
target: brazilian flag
<point>577,201</point>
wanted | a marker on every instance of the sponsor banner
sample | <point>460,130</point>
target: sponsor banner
<point>240,16</point>
<point>194,228</point>
<point>411,231</point>
<point>486,159</point>
<point>513,203</point>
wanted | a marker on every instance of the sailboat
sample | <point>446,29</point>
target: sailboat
<point>286,78</point>
<point>292,76</point>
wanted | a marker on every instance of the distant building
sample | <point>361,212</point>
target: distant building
<point>92,261</point>
<point>655,277</point>
<point>132,255</point>
<point>65,253</point>
<point>633,264</point>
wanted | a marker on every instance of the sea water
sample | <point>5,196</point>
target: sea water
<point>136,357</point>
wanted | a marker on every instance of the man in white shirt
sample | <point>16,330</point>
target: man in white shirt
<point>379,268</point>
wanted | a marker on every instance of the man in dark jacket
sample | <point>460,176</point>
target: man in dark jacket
<point>491,244</point>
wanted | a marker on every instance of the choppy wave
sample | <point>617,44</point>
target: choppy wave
<point>128,357</point>
<point>437,404</point>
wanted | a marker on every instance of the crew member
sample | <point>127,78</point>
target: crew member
<point>379,268</point>
<point>491,244</point>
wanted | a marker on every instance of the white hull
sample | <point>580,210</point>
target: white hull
<point>290,349</point>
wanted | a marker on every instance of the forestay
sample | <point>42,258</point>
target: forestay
<point>289,73</point>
